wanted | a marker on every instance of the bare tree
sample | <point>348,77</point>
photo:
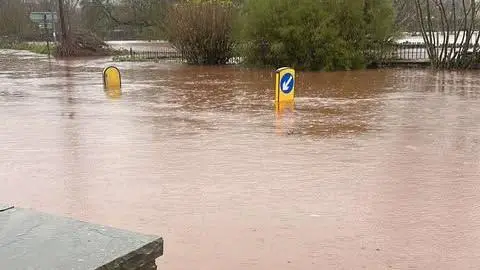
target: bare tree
<point>14,20</point>
<point>202,32</point>
<point>76,41</point>
<point>405,14</point>
<point>448,28</point>
<point>141,14</point>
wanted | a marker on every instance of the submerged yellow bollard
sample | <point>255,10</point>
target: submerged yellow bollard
<point>112,78</point>
<point>113,93</point>
<point>284,117</point>
<point>284,87</point>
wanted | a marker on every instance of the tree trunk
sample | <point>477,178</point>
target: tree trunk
<point>62,21</point>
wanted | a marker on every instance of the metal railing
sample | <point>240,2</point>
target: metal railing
<point>160,53</point>
<point>418,51</point>
<point>404,52</point>
<point>410,52</point>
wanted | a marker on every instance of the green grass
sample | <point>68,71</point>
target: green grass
<point>35,48</point>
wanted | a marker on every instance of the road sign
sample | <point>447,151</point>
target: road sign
<point>284,85</point>
<point>41,17</point>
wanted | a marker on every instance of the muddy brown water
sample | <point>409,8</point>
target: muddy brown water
<point>376,169</point>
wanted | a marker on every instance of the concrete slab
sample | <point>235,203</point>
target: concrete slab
<point>32,240</point>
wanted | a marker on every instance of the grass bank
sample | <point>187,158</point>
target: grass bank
<point>42,48</point>
<point>39,48</point>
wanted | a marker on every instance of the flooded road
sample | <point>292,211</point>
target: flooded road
<point>374,170</point>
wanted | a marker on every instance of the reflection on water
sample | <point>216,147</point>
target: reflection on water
<point>113,92</point>
<point>373,169</point>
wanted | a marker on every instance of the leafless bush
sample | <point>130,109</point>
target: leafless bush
<point>450,31</point>
<point>202,32</point>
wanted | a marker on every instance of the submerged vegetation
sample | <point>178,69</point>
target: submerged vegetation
<point>306,34</point>
<point>311,34</point>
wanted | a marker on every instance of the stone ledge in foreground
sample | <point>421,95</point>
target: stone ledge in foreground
<point>33,240</point>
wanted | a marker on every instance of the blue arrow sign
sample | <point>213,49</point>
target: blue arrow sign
<point>286,83</point>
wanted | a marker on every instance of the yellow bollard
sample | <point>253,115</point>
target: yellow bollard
<point>112,78</point>
<point>284,87</point>
<point>284,100</point>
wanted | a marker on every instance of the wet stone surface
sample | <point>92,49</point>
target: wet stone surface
<point>32,240</point>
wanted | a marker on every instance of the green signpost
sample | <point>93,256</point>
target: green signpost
<point>40,17</point>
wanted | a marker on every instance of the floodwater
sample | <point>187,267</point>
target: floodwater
<point>376,169</point>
